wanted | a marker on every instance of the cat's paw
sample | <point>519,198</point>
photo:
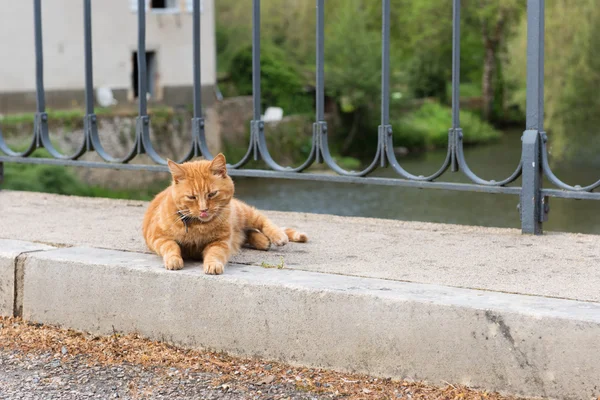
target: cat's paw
<point>174,263</point>
<point>213,268</point>
<point>277,236</point>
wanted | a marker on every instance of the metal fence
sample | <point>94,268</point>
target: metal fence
<point>533,167</point>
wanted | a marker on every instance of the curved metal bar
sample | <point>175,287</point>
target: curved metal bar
<point>258,143</point>
<point>41,127</point>
<point>320,127</point>
<point>464,167</point>
<point>40,124</point>
<point>455,142</point>
<point>143,130</point>
<point>555,180</point>
<point>328,158</point>
<point>244,159</point>
<point>407,175</point>
<point>90,121</point>
<point>5,148</point>
<point>266,156</point>
<point>385,129</point>
<point>91,126</point>
<point>199,147</point>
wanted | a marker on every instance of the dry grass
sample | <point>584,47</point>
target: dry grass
<point>116,349</point>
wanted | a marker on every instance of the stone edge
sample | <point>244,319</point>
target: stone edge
<point>13,254</point>
<point>524,345</point>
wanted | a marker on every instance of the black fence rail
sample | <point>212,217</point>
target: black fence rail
<point>532,168</point>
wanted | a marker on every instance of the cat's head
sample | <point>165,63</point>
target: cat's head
<point>201,189</point>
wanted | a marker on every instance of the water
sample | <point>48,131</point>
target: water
<point>496,161</point>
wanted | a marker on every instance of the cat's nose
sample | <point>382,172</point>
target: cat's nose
<point>204,211</point>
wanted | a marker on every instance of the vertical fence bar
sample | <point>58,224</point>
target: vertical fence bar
<point>456,131</point>
<point>256,95</point>
<point>142,129</point>
<point>385,129</point>
<point>89,79</point>
<point>320,126</point>
<point>141,59</point>
<point>89,119</point>
<point>385,63</point>
<point>41,118</point>
<point>198,139</point>
<point>39,57</point>
<point>197,65</point>
<point>256,126</point>
<point>532,204</point>
<point>320,79</point>
<point>456,64</point>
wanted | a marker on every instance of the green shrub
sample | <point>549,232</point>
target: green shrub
<point>281,83</point>
<point>428,126</point>
<point>428,76</point>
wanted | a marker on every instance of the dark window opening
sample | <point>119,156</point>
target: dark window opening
<point>150,73</point>
<point>163,4</point>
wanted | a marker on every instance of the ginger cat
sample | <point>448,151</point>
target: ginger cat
<point>198,216</point>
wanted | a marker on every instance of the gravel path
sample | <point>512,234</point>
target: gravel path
<point>45,362</point>
<point>46,377</point>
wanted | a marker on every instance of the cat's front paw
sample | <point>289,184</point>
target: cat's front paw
<point>213,268</point>
<point>174,263</point>
<point>277,236</point>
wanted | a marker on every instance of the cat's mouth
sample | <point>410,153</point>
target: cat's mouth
<point>188,218</point>
<point>204,217</point>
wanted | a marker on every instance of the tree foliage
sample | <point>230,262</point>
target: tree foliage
<point>572,76</point>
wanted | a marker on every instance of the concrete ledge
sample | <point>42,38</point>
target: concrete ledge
<point>10,269</point>
<point>525,345</point>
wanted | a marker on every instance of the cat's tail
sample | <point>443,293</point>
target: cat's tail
<point>295,236</point>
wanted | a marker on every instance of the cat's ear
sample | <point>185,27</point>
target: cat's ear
<point>177,171</point>
<point>218,165</point>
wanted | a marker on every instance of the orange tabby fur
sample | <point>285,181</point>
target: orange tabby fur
<point>216,225</point>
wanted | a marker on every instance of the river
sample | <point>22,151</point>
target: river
<point>495,161</point>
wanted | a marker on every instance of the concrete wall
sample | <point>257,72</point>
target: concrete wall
<point>114,27</point>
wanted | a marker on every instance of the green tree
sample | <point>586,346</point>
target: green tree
<point>572,76</point>
<point>353,63</point>
<point>496,19</point>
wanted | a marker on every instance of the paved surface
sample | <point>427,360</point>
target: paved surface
<point>555,265</point>
<point>32,376</point>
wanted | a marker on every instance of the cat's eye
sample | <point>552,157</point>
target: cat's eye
<point>212,194</point>
<point>191,197</point>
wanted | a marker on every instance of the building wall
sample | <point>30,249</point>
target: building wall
<point>114,27</point>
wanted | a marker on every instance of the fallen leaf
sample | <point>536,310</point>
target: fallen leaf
<point>266,380</point>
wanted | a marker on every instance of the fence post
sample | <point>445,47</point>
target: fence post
<point>89,120</point>
<point>200,147</point>
<point>256,125</point>
<point>41,118</point>
<point>320,125</point>
<point>531,201</point>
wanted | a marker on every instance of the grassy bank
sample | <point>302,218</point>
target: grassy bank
<point>62,180</point>
<point>427,128</point>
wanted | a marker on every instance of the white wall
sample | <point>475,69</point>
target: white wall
<point>114,39</point>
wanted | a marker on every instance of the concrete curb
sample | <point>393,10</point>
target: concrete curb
<point>524,345</point>
<point>12,257</point>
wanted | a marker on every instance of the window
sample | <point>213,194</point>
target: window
<point>164,5</point>
<point>150,74</point>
